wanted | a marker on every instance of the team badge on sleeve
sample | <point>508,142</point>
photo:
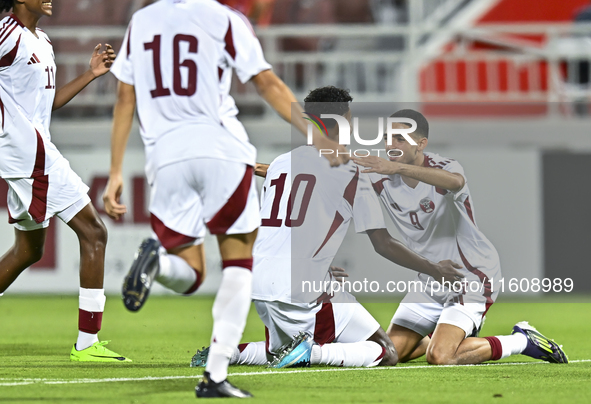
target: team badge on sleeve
<point>427,205</point>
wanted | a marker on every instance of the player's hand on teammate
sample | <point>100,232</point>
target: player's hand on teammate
<point>112,197</point>
<point>100,62</point>
<point>447,271</point>
<point>374,164</point>
<point>338,274</point>
<point>338,156</point>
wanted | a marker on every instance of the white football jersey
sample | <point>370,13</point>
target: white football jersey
<point>27,90</point>
<point>306,208</point>
<point>177,54</point>
<point>439,224</point>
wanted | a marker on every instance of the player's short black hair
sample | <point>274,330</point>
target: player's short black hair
<point>422,124</point>
<point>6,5</point>
<point>328,100</point>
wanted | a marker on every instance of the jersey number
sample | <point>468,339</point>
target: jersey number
<point>279,184</point>
<point>190,65</point>
<point>50,78</point>
<point>414,220</point>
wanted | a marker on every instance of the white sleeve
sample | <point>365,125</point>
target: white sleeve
<point>243,49</point>
<point>455,167</point>
<point>366,210</point>
<point>122,67</point>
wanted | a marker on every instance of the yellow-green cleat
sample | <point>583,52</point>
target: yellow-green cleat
<point>96,353</point>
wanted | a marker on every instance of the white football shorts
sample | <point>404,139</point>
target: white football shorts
<point>190,195</point>
<point>33,201</point>
<point>421,313</point>
<point>327,322</point>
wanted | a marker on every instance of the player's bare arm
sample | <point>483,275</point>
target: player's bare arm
<point>432,176</point>
<point>260,169</point>
<point>100,63</point>
<point>278,95</point>
<point>122,121</point>
<point>393,250</point>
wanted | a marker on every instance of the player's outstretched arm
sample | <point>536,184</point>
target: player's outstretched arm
<point>122,121</point>
<point>100,63</point>
<point>393,250</point>
<point>278,95</point>
<point>260,169</point>
<point>433,176</point>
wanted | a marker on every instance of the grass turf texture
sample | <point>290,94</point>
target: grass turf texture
<point>37,332</point>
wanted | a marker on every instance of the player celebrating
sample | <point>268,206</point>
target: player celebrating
<point>199,164</point>
<point>296,246</point>
<point>41,182</point>
<point>428,199</point>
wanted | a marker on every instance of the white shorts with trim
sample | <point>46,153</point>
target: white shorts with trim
<point>422,318</point>
<point>327,322</point>
<point>33,201</point>
<point>189,195</point>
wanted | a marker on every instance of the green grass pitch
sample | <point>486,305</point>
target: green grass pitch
<point>37,333</point>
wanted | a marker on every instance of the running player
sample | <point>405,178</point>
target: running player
<point>428,198</point>
<point>199,166</point>
<point>296,246</point>
<point>41,182</point>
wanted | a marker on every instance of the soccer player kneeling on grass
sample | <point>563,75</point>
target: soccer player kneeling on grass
<point>428,198</point>
<point>41,182</point>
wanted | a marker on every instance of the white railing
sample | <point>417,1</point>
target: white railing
<point>387,63</point>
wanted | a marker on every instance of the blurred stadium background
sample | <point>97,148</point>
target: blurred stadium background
<point>504,83</point>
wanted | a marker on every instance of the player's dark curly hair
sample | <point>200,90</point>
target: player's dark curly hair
<point>328,100</point>
<point>6,5</point>
<point>422,124</point>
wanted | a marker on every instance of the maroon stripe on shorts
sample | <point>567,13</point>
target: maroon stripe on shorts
<point>169,238</point>
<point>38,207</point>
<point>232,210</point>
<point>324,330</point>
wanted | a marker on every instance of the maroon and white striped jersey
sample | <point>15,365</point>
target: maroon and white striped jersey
<point>27,90</point>
<point>306,209</point>
<point>439,224</point>
<point>175,53</point>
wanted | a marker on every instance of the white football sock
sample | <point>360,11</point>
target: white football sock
<point>92,302</point>
<point>512,344</point>
<point>175,274</point>
<point>253,353</point>
<point>230,310</point>
<point>365,353</point>
<point>85,340</point>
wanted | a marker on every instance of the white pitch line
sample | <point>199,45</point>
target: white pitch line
<point>29,381</point>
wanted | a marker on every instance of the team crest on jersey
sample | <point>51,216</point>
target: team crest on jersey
<point>427,205</point>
